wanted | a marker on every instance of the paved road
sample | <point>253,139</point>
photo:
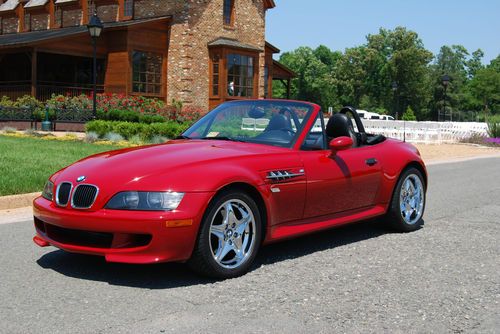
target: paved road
<point>443,278</point>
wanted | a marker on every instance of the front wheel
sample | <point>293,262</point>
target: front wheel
<point>408,202</point>
<point>229,236</point>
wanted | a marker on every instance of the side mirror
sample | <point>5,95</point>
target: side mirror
<point>340,144</point>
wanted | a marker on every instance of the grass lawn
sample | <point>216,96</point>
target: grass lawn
<point>26,163</point>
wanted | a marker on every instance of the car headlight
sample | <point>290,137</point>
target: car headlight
<point>145,200</point>
<point>48,191</point>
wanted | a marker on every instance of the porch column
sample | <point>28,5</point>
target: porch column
<point>34,63</point>
<point>288,83</point>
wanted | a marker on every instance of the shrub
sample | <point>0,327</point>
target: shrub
<point>157,140</point>
<point>5,101</point>
<point>409,115</point>
<point>100,127</point>
<point>182,114</point>
<point>136,140</point>
<point>9,129</point>
<point>130,130</point>
<point>114,137</point>
<point>493,123</point>
<point>91,137</point>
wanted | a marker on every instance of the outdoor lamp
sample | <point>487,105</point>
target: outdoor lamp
<point>95,26</point>
<point>445,79</point>
<point>394,86</point>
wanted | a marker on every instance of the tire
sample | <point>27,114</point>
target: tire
<point>408,202</point>
<point>229,236</point>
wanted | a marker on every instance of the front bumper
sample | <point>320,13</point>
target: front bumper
<point>122,236</point>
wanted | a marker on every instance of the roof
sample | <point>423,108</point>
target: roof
<point>27,38</point>
<point>280,71</point>
<point>232,43</point>
<point>269,4</point>
<point>9,5</point>
<point>35,3</point>
<point>272,47</point>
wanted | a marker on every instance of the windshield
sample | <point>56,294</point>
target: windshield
<point>270,122</point>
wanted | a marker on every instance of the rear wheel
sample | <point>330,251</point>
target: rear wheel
<point>408,202</point>
<point>229,236</point>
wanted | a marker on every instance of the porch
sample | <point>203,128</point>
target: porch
<point>32,73</point>
<point>59,61</point>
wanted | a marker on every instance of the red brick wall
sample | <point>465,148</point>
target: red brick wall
<point>39,21</point>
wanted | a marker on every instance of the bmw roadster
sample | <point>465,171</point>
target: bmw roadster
<point>246,174</point>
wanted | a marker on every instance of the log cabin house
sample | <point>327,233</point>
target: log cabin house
<point>201,52</point>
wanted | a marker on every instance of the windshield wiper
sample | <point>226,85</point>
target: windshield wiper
<point>222,138</point>
<point>182,137</point>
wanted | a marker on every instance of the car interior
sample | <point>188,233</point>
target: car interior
<point>341,124</point>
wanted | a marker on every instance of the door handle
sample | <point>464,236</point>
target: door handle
<point>371,161</point>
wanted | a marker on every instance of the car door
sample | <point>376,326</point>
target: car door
<point>347,180</point>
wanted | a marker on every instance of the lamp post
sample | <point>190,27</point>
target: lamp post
<point>94,27</point>
<point>394,87</point>
<point>445,80</point>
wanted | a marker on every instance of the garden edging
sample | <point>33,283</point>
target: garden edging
<point>17,201</point>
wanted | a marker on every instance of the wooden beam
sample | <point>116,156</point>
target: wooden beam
<point>34,70</point>
<point>85,11</point>
<point>52,14</point>
<point>20,17</point>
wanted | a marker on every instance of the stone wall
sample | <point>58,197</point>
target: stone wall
<point>10,25</point>
<point>108,13</point>
<point>201,23</point>
<point>39,21</point>
<point>71,18</point>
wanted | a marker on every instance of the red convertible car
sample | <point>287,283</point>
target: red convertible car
<point>246,174</point>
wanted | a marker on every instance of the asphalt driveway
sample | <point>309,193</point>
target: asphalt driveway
<point>360,278</point>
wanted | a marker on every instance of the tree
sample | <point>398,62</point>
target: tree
<point>409,115</point>
<point>475,63</point>
<point>485,88</point>
<point>314,75</point>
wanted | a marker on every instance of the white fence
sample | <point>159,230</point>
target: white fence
<point>426,132</point>
<point>416,132</point>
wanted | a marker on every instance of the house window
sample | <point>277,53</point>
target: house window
<point>129,8</point>
<point>146,69</point>
<point>240,75</point>
<point>228,12</point>
<point>215,75</point>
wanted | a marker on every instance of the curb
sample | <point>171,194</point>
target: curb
<point>17,201</point>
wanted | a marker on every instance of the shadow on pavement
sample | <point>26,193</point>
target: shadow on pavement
<point>171,275</point>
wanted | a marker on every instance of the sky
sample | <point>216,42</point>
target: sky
<point>340,24</point>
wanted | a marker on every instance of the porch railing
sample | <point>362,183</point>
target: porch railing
<point>45,89</point>
<point>15,89</point>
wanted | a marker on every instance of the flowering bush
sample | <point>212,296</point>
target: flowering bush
<point>185,114</point>
<point>115,107</point>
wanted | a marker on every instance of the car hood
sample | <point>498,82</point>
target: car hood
<point>170,166</point>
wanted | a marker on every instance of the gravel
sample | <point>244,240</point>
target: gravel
<point>442,278</point>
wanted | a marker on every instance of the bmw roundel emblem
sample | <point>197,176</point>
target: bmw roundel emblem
<point>81,178</point>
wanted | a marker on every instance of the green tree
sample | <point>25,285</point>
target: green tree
<point>485,88</point>
<point>409,115</point>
